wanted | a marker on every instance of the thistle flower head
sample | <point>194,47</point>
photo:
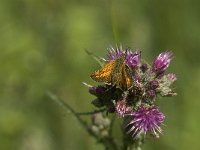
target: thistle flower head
<point>161,62</point>
<point>132,59</point>
<point>122,108</point>
<point>124,89</point>
<point>146,119</point>
<point>114,53</point>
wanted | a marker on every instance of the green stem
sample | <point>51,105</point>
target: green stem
<point>108,141</point>
<point>68,109</point>
<point>91,112</point>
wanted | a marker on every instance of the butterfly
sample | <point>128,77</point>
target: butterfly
<point>115,72</point>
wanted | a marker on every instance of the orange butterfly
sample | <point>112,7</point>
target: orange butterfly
<point>115,72</point>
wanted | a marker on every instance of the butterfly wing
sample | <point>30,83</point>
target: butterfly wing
<point>115,72</point>
<point>104,74</point>
<point>124,79</point>
<point>128,81</point>
<point>121,75</point>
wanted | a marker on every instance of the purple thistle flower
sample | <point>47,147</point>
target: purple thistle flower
<point>122,109</point>
<point>114,53</point>
<point>132,59</point>
<point>146,119</point>
<point>161,62</point>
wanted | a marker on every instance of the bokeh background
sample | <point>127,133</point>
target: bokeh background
<point>42,46</point>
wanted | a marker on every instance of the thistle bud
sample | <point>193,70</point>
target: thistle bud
<point>172,77</point>
<point>161,62</point>
<point>144,67</point>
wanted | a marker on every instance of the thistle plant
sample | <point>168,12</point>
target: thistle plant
<point>128,88</point>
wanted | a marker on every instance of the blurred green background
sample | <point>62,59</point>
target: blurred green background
<point>42,46</point>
